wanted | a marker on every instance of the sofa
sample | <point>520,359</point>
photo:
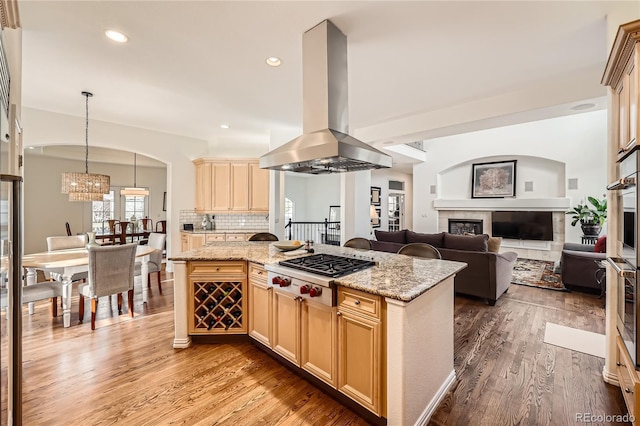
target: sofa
<point>579,268</point>
<point>488,273</point>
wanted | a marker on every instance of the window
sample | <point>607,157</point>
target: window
<point>101,211</point>
<point>134,206</point>
<point>288,210</point>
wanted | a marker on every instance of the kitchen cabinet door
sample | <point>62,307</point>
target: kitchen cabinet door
<point>319,337</point>
<point>203,187</point>
<point>260,310</point>
<point>258,188</point>
<point>184,242</point>
<point>220,187</point>
<point>260,305</point>
<point>286,325</point>
<point>196,241</point>
<point>239,187</point>
<point>359,359</point>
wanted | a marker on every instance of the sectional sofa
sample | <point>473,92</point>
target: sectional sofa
<point>488,274</point>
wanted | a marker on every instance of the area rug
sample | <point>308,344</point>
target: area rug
<point>577,340</point>
<point>536,273</point>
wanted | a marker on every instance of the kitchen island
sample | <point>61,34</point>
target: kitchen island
<point>404,329</point>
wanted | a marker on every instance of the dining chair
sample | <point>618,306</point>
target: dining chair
<point>36,292</point>
<point>420,250</point>
<point>111,271</point>
<point>263,236</point>
<point>161,226</point>
<point>67,243</point>
<point>121,230</point>
<point>156,241</point>
<point>358,243</point>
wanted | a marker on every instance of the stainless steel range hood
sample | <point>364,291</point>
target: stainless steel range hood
<point>324,146</point>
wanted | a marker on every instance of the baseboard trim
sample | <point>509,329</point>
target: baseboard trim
<point>431,408</point>
<point>182,343</point>
<point>610,377</point>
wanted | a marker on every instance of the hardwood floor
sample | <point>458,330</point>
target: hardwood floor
<point>126,371</point>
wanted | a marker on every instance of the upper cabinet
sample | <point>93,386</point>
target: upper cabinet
<point>231,186</point>
<point>621,74</point>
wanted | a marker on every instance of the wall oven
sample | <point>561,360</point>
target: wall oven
<point>625,260</point>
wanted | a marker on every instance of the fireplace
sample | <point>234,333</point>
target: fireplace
<point>461,226</point>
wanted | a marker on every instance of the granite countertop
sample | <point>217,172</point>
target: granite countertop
<point>224,231</point>
<point>395,276</point>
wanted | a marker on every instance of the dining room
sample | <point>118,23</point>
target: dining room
<point>46,209</point>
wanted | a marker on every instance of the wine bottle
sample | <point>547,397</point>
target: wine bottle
<point>212,322</point>
<point>236,314</point>
<point>227,323</point>
<point>227,291</point>
<point>228,306</point>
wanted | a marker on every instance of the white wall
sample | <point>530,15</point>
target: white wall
<point>46,210</point>
<point>312,194</point>
<point>381,178</point>
<point>578,142</point>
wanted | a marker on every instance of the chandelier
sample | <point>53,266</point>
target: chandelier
<point>85,186</point>
<point>135,191</point>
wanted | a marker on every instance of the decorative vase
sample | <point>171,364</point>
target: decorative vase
<point>134,223</point>
<point>92,240</point>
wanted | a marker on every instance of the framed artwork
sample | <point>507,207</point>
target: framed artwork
<point>375,222</point>
<point>494,180</point>
<point>375,195</point>
<point>164,202</point>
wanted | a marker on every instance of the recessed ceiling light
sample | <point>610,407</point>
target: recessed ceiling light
<point>224,126</point>
<point>273,61</point>
<point>582,107</point>
<point>116,36</point>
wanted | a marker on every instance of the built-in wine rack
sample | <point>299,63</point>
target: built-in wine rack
<point>218,306</point>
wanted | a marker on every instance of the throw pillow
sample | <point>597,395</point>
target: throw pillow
<point>494,244</point>
<point>601,245</point>
<point>391,236</point>
<point>466,242</point>
<point>435,240</point>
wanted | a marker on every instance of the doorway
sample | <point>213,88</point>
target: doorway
<point>396,211</point>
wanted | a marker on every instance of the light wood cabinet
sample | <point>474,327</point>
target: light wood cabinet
<point>217,297</point>
<point>259,188</point>
<point>191,241</point>
<point>305,333</point>
<point>628,378</point>
<point>237,185</point>
<point>359,347</point>
<point>621,74</point>
<point>286,325</point>
<point>319,341</point>
<point>260,305</point>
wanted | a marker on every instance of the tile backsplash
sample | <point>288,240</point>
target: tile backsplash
<point>226,221</point>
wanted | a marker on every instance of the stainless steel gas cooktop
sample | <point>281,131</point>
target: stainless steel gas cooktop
<point>327,264</point>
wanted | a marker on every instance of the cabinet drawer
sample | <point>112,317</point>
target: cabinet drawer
<point>234,237</point>
<point>226,267</point>
<point>358,301</point>
<point>215,237</point>
<point>627,377</point>
<point>257,272</point>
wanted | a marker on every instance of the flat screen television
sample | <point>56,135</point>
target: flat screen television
<point>522,225</point>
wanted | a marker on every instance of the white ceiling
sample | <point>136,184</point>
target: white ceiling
<point>191,66</point>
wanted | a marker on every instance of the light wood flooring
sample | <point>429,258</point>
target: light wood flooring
<point>127,372</point>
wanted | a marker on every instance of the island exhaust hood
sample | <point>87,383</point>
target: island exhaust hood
<point>324,146</point>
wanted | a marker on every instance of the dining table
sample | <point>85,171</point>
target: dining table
<point>69,262</point>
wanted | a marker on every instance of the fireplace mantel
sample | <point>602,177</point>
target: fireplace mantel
<point>490,204</point>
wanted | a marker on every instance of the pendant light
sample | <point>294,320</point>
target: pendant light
<point>85,186</point>
<point>134,192</point>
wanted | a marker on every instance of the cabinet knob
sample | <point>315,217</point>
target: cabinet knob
<point>619,365</point>
<point>627,390</point>
<point>339,313</point>
<point>217,269</point>
<point>357,302</point>
<point>259,272</point>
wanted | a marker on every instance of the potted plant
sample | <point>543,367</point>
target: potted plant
<point>591,216</point>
